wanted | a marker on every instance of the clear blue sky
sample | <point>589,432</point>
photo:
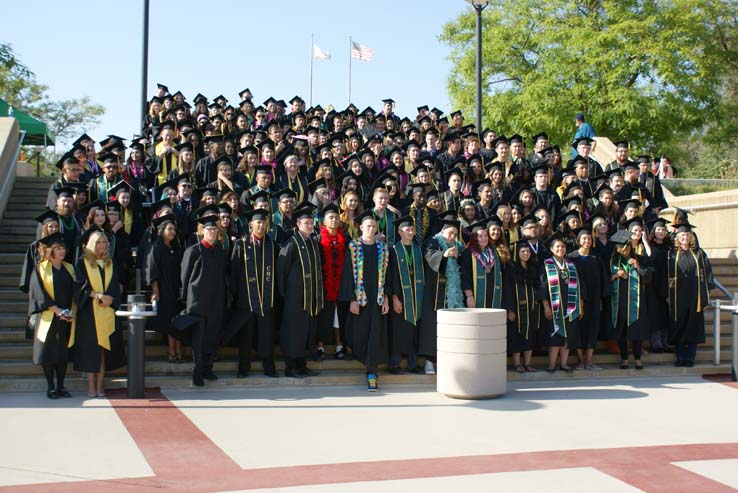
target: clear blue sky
<point>93,48</point>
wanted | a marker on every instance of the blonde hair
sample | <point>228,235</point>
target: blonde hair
<point>90,252</point>
<point>45,252</point>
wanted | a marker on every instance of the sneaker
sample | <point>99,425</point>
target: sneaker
<point>429,368</point>
<point>372,384</point>
<point>339,352</point>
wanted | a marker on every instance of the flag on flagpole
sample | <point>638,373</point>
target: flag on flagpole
<point>361,52</point>
<point>319,54</point>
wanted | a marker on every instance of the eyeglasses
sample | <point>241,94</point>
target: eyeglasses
<point>185,185</point>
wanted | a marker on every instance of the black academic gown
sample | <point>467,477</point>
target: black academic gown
<point>70,238</point>
<point>86,348</point>
<point>548,338</point>
<point>468,282</point>
<point>403,335</point>
<point>204,292</point>
<point>300,283</point>
<point>252,321</point>
<point>657,296</point>
<point>53,350</point>
<point>689,295</point>
<point>29,263</point>
<point>366,332</point>
<point>163,265</point>
<point>593,278</point>
<point>519,297</point>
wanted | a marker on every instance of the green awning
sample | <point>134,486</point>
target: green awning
<point>37,133</point>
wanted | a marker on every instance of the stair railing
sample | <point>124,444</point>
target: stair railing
<point>733,308</point>
<point>10,176</point>
<point>716,321</point>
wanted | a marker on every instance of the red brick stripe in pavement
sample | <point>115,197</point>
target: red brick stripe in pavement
<point>185,459</point>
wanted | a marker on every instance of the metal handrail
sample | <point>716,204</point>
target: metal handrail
<point>733,308</point>
<point>13,163</point>
<point>722,288</point>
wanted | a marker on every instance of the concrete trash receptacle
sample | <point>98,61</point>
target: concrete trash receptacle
<point>472,353</point>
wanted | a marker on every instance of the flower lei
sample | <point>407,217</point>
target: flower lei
<point>454,295</point>
<point>334,250</point>
<point>486,258</point>
<point>357,263</point>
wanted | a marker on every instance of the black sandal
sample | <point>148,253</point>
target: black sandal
<point>519,369</point>
<point>529,369</point>
<point>623,366</point>
<point>551,370</point>
<point>567,369</point>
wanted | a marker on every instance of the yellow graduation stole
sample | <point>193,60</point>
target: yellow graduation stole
<point>45,271</point>
<point>104,315</point>
<point>164,171</point>
<point>127,220</point>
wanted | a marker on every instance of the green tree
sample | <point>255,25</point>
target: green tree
<point>19,87</point>
<point>651,71</point>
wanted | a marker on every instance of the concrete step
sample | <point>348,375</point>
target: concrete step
<point>13,247</point>
<point>26,231</point>
<point>36,383</point>
<point>31,193</point>
<point>17,222</point>
<point>724,261</point>
<point>12,293</point>
<point>12,320</point>
<point>19,239</point>
<point>35,206</point>
<point>159,366</point>
<point>22,214</point>
<point>10,268</point>
<point>8,280</point>
<point>13,306</point>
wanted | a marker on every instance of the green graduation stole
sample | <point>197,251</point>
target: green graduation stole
<point>560,315</point>
<point>634,291</point>
<point>412,289</point>
<point>389,225</point>
<point>480,282</point>
<point>102,189</point>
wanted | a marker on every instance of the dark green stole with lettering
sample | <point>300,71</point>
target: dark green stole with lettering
<point>412,289</point>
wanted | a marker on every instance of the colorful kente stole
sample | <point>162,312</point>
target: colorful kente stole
<point>356,250</point>
<point>412,289</point>
<point>634,292</point>
<point>560,316</point>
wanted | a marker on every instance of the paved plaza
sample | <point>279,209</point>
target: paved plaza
<point>645,435</point>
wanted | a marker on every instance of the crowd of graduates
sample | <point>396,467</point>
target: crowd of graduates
<point>256,225</point>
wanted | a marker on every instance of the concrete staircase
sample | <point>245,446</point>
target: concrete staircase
<point>17,373</point>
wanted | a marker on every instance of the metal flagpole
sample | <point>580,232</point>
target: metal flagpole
<point>312,55</point>
<point>350,48</point>
<point>144,62</point>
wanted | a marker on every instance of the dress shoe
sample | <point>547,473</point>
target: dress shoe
<point>63,393</point>
<point>689,363</point>
<point>242,374</point>
<point>418,371</point>
<point>51,394</point>
<point>209,375</point>
<point>197,379</point>
<point>679,363</point>
<point>397,371</point>
<point>293,374</point>
<point>271,374</point>
<point>307,372</point>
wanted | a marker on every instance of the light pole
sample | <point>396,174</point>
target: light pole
<point>479,5</point>
<point>144,62</point>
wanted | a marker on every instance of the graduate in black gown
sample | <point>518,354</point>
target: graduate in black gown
<point>51,298</point>
<point>595,285</point>
<point>204,292</point>
<point>481,270</point>
<point>69,226</point>
<point>49,222</point>
<point>364,285</point>
<point>252,318</point>
<point>162,274</point>
<point>689,284</point>
<point>630,272</point>
<point>442,285</point>
<point>97,339</point>
<point>300,282</point>
<point>523,308</point>
<point>407,284</point>
<point>560,293</point>
<point>658,297</point>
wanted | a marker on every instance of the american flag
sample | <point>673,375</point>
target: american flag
<point>361,52</point>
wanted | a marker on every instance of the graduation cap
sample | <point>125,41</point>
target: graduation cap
<point>220,97</point>
<point>455,171</point>
<point>67,158</point>
<point>499,140</point>
<point>622,144</point>
<point>257,215</point>
<point>208,219</point>
<point>121,186</point>
<point>456,112</point>
<point>211,139</point>
<point>633,204</point>
<point>160,204</point>
<point>330,208</point>
<point>541,169</point>
<point>474,157</point>
<point>246,93</point>
<point>162,87</point>
<point>620,237</point>
<point>409,144</point>
<point>298,99</point>
<point>304,211</point>
<point>47,216</point>
<point>81,139</point>
<point>200,98</point>
<point>53,239</point>
<point>451,223</point>
<point>581,140</point>
<point>114,206</point>
<point>635,221</point>
<point>436,111</point>
<point>516,138</point>
<point>573,200</point>
<point>492,166</point>
<point>185,322</point>
<point>603,188</point>
<point>266,144</point>
<point>85,209</point>
<point>571,187</point>
<point>570,214</point>
<point>166,218</point>
<point>285,192</point>
<point>432,194</point>
<point>450,137</point>
<point>169,184</point>
<point>316,185</point>
<point>264,169</point>
<point>630,165</point>
<point>260,196</point>
<point>222,159</point>
<point>403,221</point>
<point>643,159</point>
<point>540,136</point>
<point>479,226</point>
<point>417,188</point>
<point>388,101</point>
<point>557,236</point>
<point>658,222</point>
<point>584,230</point>
<point>529,219</point>
<point>64,192</point>
<point>224,208</point>
<point>685,228</point>
<point>269,100</point>
<point>205,192</point>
